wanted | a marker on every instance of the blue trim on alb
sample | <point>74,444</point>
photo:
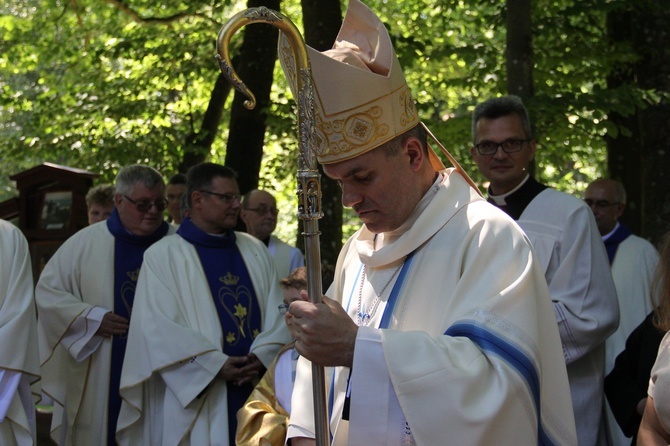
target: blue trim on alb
<point>489,341</point>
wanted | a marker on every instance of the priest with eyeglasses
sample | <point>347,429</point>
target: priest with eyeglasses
<point>564,234</point>
<point>205,325</point>
<point>84,300</point>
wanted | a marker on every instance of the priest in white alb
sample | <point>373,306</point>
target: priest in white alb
<point>84,299</point>
<point>19,360</point>
<point>205,326</point>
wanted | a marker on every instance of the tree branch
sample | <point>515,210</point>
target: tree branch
<point>137,18</point>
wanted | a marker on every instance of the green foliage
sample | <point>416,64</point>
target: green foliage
<point>453,54</point>
<point>100,84</point>
<point>104,86</point>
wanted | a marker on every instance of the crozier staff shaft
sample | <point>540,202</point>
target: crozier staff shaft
<point>308,178</point>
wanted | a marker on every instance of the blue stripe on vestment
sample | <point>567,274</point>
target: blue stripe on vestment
<point>515,358</point>
<point>395,292</point>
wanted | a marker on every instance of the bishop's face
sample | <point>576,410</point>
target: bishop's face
<point>382,189</point>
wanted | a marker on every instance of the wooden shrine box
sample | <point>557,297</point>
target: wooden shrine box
<point>51,206</point>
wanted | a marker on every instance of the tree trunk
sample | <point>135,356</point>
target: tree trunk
<point>624,154</point>
<point>247,127</point>
<point>653,72</point>
<point>639,158</point>
<point>322,20</point>
<point>519,51</point>
<point>198,145</point>
<point>519,54</point>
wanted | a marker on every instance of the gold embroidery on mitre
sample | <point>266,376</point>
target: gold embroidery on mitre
<point>363,127</point>
<point>341,136</point>
<point>409,118</point>
<point>356,132</point>
<point>354,112</point>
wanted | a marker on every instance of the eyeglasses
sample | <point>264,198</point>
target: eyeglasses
<point>283,308</point>
<point>600,204</point>
<point>145,205</point>
<point>226,198</point>
<point>262,210</point>
<point>508,146</point>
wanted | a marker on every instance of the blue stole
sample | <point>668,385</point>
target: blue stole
<point>234,298</point>
<point>613,242</point>
<point>128,255</point>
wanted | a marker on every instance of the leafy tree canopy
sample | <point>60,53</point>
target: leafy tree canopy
<point>101,84</point>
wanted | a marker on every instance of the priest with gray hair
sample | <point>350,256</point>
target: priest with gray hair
<point>84,300</point>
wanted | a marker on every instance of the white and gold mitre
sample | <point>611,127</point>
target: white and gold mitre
<point>361,99</point>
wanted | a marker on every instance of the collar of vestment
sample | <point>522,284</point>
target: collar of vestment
<point>449,194</point>
<point>119,231</point>
<point>197,236</point>
<point>611,233</point>
<point>516,202</point>
<point>614,240</point>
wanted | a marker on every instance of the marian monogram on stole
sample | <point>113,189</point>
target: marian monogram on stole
<point>128,289</point>
<point>237,302</point>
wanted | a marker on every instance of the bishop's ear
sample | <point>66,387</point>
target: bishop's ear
<point>415,152</point>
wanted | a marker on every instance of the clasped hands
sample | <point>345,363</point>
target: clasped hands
<point>242,369</point>
<point>112,325</point>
